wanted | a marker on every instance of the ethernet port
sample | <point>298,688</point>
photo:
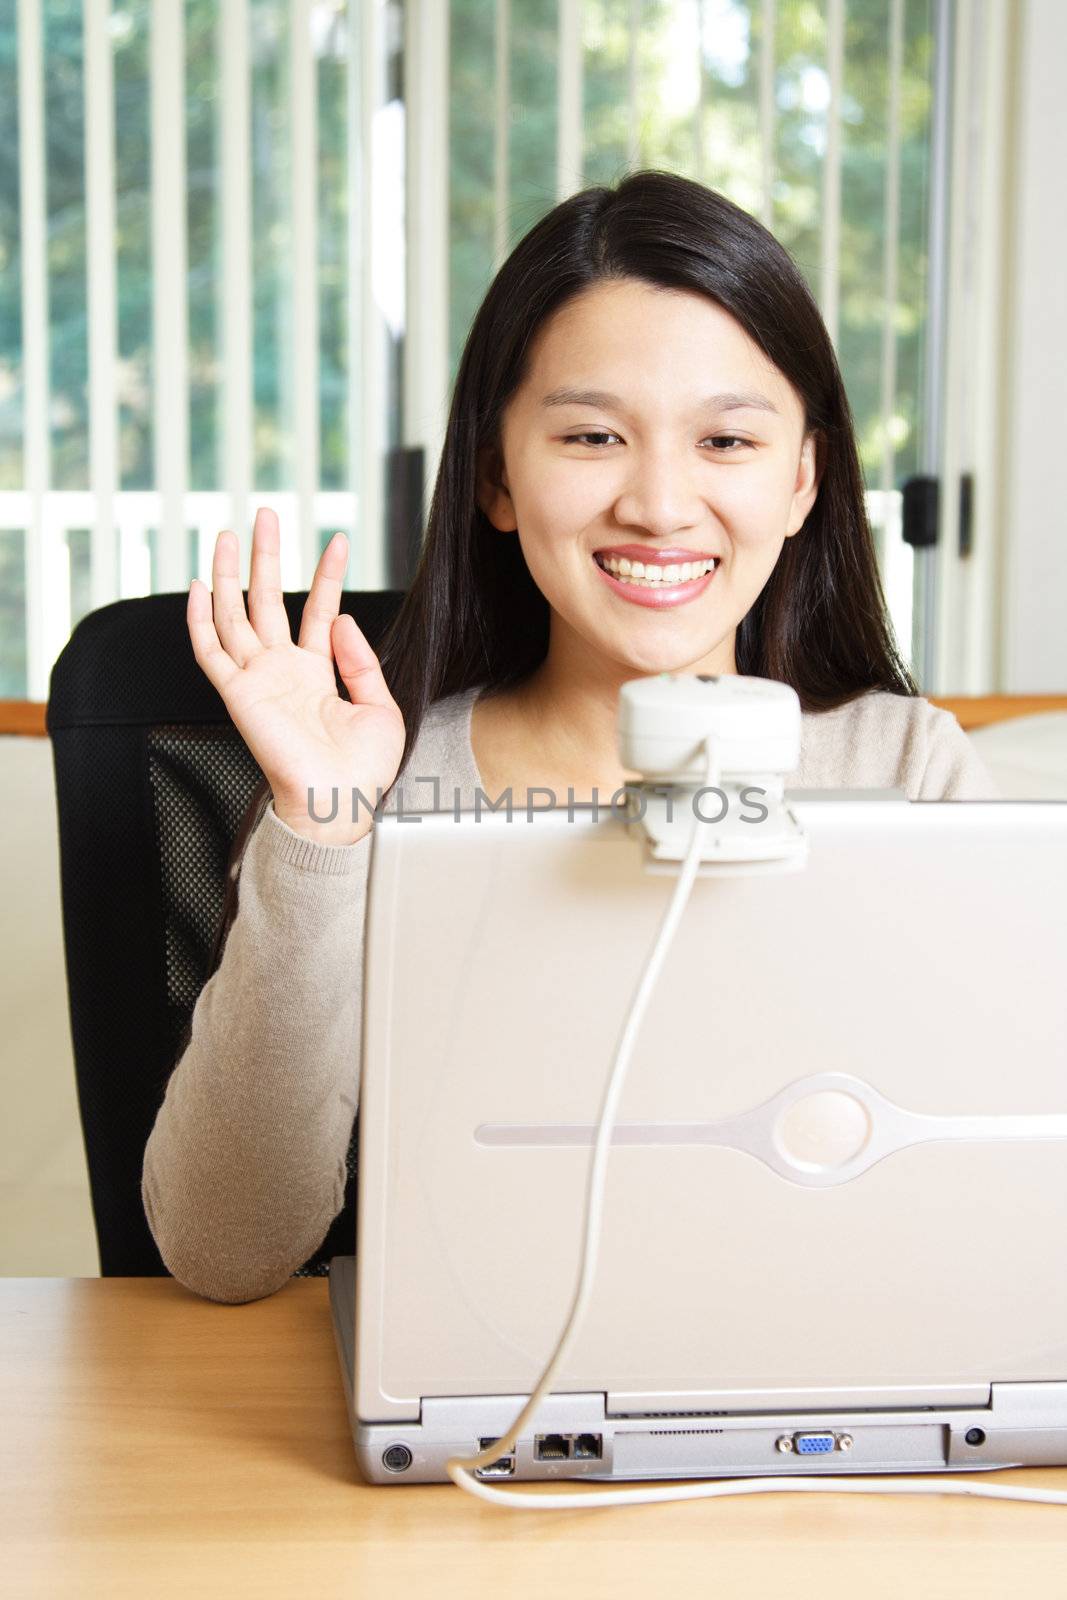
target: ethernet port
<point>588,1447</point>
<point>551,1447</point>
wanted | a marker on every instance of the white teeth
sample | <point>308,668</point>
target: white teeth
<point>653,574</point>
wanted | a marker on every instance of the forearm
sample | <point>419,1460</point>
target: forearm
<point>245,1166</point>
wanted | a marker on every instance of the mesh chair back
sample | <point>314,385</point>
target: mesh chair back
<point>152,781</point>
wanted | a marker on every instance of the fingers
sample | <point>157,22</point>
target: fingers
<point>210,655</point>
<point>265,606</point>
<point>358,665</point>
<point>235,632</point>
<point>324,598</point>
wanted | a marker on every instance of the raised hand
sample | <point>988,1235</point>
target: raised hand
<point>283,696</point>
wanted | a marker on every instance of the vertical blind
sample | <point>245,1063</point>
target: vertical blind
<point>210,251</point>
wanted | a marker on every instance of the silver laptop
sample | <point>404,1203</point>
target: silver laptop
<point>834,1234</point>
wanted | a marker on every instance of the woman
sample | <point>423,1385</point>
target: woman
<point>649,466</point>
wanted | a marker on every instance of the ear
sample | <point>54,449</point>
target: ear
<point>806,487</point>
<point>492,491</point>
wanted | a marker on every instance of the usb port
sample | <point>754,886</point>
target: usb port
<point>504,1468</point>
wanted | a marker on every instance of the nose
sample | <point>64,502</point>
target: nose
<point>660,494</point>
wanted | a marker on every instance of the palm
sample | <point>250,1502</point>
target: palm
<point>287,709</point>
<point>282,696</point>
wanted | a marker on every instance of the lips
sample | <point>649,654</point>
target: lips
<point>658,594</point>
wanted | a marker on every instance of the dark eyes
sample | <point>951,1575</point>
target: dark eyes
<point>717,438</point>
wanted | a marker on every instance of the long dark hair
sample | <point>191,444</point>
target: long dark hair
<point>473,614</point>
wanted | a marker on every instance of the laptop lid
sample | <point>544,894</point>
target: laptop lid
<point>837,1174</point>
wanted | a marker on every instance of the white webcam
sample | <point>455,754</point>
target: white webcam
<point>663,725</point>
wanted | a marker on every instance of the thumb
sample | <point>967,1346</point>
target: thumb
<point>357,663</point>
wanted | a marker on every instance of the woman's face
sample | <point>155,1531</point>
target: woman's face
<point>693,448</point>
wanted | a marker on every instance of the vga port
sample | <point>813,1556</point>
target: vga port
<point>813,1444</point>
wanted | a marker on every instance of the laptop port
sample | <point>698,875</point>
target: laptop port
<point>551,1447</point>
<point>504,1468</point>
<point>813,1444</point>
<point>588,1447</point>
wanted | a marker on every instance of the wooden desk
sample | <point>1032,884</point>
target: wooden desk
<point>155,1444</point>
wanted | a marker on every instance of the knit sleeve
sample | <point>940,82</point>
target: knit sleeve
<point>244,1169</point>
<point>953,769</point>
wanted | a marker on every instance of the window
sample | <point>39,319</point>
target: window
<point>226,231</point>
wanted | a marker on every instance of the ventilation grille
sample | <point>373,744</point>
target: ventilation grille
<point>640,1416</point>
<point>690,1433</point>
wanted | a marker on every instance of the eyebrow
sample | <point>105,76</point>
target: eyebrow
<point>731,401</point>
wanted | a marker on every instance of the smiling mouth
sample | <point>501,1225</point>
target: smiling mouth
<point>654,574</point>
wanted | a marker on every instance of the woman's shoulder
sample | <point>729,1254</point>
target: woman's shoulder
<point>894,741</point>
<point>879,708</point>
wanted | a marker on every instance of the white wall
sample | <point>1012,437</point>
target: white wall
<point>1034,616</point>
<point>46,1226</point>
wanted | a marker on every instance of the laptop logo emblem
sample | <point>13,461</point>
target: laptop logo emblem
<point>820,1130</point>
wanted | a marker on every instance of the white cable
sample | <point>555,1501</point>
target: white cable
<point>460,1468</point>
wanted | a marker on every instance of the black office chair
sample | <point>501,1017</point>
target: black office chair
<point>152,781</point>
